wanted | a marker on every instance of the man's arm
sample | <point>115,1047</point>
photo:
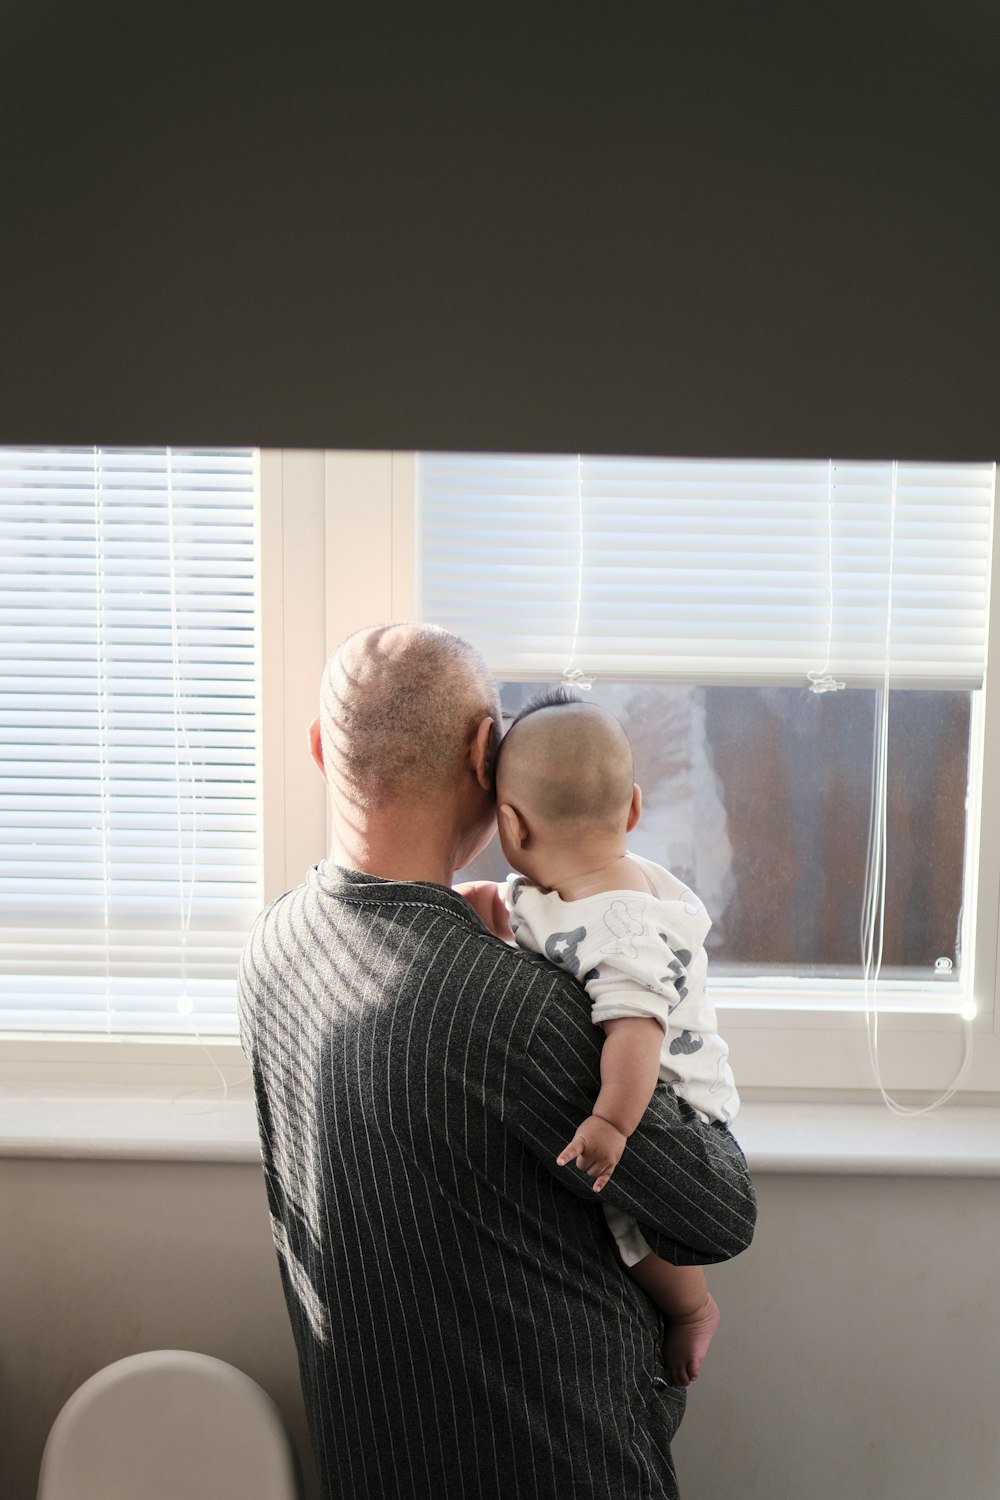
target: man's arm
<point>685,1182</point>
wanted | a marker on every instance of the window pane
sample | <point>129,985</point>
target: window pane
<point>129,872</point>
<point>760,798</point>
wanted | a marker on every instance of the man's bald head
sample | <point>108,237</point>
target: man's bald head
<point>398,705</point>
<point>564,761</point>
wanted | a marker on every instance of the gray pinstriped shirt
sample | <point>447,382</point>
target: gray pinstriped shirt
<point>463,1324</point>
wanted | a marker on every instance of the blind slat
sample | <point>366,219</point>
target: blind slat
<point>710,571</point>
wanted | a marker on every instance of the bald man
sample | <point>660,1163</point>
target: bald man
<point>463,1325</point>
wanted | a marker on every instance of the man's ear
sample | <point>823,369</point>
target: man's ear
<point>511,826</point>
<point>480,753</point>
<point>635,811</point>
<point>316,747</point>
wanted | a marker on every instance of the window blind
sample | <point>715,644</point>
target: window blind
<point>710,571</point>
<point>129,786</point>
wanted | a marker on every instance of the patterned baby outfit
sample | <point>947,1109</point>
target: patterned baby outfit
<point>639,954</point>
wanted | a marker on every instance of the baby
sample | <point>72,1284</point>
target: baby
<point>634,936</point>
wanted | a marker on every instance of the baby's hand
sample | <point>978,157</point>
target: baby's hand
<point>487,900</point>
<point>597,1148</point>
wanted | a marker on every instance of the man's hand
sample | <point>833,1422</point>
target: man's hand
<point>487,900</point>
<point>596,1147</point>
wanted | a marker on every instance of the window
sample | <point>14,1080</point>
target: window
<point>248,547</point>
<point>342,543</point>
<point>773,636</point>
<point>760,797</point>
<point>129,796</point>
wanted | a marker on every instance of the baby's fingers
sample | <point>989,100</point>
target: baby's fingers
<point>575,1151</point>
<point>603,1177</point>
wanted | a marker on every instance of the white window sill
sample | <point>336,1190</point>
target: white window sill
<point>140,1123</point>
<point>198,1124</point>
<point>958,1140</point>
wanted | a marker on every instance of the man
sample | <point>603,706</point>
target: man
<point>463,1323</point>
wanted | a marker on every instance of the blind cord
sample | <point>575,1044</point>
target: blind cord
<point>103,731</point>
<point>823,681</point>
<point>575,675</point>
<point>876,870</point>
<point>185,901</point>
<point>185,883</point>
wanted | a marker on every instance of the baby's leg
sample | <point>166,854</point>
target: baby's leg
<point>689,1308</point>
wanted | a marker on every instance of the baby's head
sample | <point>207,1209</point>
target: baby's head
<point>566,795</point>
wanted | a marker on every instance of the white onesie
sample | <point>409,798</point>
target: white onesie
<point>639,955</point>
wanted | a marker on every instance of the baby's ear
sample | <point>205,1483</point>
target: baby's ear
<point>512,830</point>
<point>635,811</point>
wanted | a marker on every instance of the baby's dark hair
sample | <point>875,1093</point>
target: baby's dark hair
<point>550,697</point>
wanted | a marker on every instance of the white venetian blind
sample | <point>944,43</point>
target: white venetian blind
<point>710,571</point>
<point>129,785</point>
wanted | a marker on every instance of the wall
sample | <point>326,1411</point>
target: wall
<point>858,1352</point>
<point>746,229</point>
<point>100,1259</point>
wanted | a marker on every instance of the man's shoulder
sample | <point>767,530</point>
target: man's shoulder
<point>270,915</point>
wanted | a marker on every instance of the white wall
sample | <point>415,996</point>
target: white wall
<point>100,1259</point>
<point>858,1352</point>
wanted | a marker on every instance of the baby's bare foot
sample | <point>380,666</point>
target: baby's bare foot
<point>686,1342</point>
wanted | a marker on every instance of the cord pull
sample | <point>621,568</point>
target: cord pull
<point>824,682</point>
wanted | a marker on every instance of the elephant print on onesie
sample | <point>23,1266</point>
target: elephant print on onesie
<point>561,948</point>
<point>625,926</point>
<point>685,1044</point>
<point>678,971</point>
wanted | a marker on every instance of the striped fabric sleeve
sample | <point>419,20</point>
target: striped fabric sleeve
<point>685,1181</point>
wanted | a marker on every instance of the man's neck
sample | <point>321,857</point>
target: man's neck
<point>395,852</point>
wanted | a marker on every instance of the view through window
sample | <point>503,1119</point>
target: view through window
<point>760,798</point>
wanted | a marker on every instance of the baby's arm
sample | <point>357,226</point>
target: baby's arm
<point>630,1066</point>
<point>487,900</point>
<point>690,1309</point>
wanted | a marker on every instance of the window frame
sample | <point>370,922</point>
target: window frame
<point>782,1046</point>
<point>338,533</point>
<point>291,599</point>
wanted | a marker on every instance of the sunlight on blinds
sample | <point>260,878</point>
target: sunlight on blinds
<point>129,789</point>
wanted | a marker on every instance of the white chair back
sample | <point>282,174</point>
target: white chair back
<point>168,1425</point>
